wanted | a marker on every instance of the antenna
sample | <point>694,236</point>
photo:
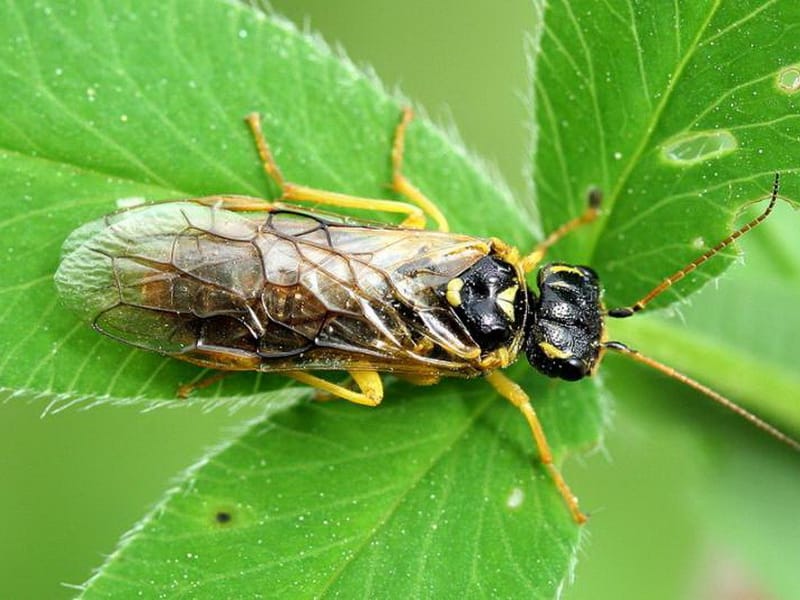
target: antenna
<point>669,371</point>
<point>716,397</point>
<point>627,311</point>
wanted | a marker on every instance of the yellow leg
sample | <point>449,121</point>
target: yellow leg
<point>426,379</point>
<point>529,262</point>
<point>186,390</point>
<point>415,217</point>
<point>402,185</point>
<point>517,396</point>
<point>368,382</point>
<point>322,396</point>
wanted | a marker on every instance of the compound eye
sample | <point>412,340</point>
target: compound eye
<point>573,369</point>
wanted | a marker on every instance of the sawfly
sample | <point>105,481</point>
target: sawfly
<point>236,283</point>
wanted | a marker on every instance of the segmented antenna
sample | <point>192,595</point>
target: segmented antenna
<point>627,311</point>
<point>716,397</point>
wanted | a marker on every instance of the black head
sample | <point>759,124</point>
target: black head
<point>490,301</point>
<point>563,333</point>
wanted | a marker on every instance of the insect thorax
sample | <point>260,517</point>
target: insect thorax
<point>491,302</point>
<point>565,324</point>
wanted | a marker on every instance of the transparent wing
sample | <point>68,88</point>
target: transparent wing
<point>270,290</point>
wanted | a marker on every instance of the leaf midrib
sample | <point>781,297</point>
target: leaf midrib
<point>413,484</point>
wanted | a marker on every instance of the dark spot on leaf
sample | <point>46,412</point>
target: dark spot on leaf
<point>223,517</point>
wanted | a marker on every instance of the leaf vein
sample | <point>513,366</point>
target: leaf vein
<point>646,138</point>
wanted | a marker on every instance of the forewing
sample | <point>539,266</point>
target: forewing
<point>152,275</point>
<point>371,295</point>
<point>269,290</point>
<point>416,267</point>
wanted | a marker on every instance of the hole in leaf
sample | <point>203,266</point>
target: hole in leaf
<point>789,80</point>
<point>693,148</point>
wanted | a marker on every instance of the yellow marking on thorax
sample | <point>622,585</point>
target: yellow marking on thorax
<point>564,269</point>
<point>473,354</point>
<point>453,294</point>
<point>505,300</point>
<point>552,352</point>
<point>483,247</point>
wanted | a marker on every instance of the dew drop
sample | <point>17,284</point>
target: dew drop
<point>515,498</point>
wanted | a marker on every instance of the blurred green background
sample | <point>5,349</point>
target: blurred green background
<point>663,525</point>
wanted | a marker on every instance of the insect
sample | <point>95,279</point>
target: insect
<point>237,283</point>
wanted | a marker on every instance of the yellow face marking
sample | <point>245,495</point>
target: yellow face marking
<point>505,300</point>
<point>552,352</point>
<point>453,294</point>
<point>564,269</point>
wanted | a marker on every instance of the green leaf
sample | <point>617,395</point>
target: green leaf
<point>436,485</point>
<point>696,466</point>
<point>680,113</point>
<point>629,96</point>
<point>149,121</point>
<point>110,100</point>
<point>746,371</point>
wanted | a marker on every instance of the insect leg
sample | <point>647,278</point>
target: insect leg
<point>224,361</point>
<point>517,396</point>
<point>402,185</point>
<point>369,382</point>
<point>419,379</point>
<point>529,262</point>
<point>323,396</point>
<point>415,217</point>
<point>186,390</point>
